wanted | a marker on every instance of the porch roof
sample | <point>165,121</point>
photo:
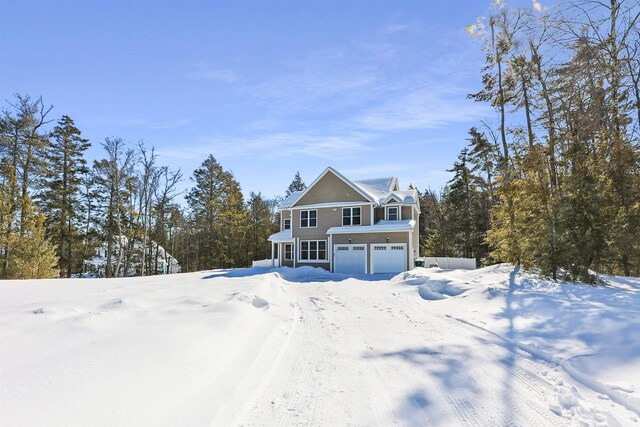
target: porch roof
<point>281,236</point>
<point>379,227</point>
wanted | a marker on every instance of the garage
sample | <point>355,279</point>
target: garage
<point>350,259</point>
<point>388,258</point>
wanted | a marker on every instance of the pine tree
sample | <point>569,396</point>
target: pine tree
<point>22,143</point>
<point>296,185</point>
<point>219,217</point>
<point>261,224</point>
<point>32,255</point>
<point>60,199</point>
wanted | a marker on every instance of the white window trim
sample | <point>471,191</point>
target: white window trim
<point>284,223</point>
<point>386,212</point>
<point>284,252</point>
<point>308,210</point>
<point>313,261</point>
<point>351,216</point>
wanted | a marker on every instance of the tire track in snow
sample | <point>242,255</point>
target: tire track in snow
<point>573,373</point>
<point>296,393</point>
<point>489,411</point>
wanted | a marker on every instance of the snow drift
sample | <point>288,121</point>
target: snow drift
<point>493,346</point>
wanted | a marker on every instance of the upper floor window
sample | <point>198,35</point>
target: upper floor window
<point>287,224</point>
<point>308,218</point>
<point>393,213</point>
<point>350,216</point>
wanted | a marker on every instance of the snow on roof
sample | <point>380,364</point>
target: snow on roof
<point>379,227</point>
<point>281,236</point>
<point>376,188</point>
<point>291,199</point>
<point>380,190</point>
<point>404,196</point>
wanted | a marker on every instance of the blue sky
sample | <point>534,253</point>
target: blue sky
<point>268,87</point>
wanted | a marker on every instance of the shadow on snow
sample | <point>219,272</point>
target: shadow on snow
<point>303,274</point>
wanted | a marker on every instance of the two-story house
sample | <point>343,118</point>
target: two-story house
<point>368,226</point>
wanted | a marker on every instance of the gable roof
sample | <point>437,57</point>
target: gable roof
<point>404,196</point>
<point>341,177</point>
<point>377,190</point>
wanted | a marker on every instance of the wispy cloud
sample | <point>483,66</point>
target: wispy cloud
<point>392,168</point>
<point>202,72</point>
<point>381,83</point>
<point>323,80</point>
<point>431,106</point>
<point>318,145</point>
<point>142,123</point>
<point>170,124</point>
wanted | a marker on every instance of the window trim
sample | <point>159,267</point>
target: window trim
<point>309,219</point>
<point>284,224</point>
<point>386,213</point>
<point>351,208</point>
<point>317,250</point>
<point>290,252</point>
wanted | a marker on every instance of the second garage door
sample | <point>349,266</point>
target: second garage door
<point>389,258</point>
<point>350,259</point>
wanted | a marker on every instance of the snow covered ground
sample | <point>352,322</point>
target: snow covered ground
<point>492,346</point>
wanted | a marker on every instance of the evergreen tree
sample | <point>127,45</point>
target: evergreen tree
<point>296,185</point>
<point>60,199</point>
<point>261,224</point>
<point>32,255</point>
<point>22,144</point>
<point>218,216</point>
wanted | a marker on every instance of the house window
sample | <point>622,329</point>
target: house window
<point>313,250</point>
<point>288,251</point>
<point>350,216</point>
<point>287,224</point>
<point>308,218</point>
<point>393,213</point>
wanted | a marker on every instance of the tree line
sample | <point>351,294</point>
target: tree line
<point>56,210</point>
<point>554,184</point>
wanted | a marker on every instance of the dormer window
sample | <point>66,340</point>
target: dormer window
<point>351,216</point>
<point>287,224</point>
<point>393,213</point>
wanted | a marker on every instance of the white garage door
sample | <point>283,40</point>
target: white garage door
<point>350,259</point>
<point>388,258</point>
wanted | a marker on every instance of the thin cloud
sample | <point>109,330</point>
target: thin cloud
<point>426,108</point>
<point>143,123</point>
<point>277,145</point>
<point>215,74</point>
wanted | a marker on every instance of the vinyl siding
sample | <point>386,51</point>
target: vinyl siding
<point>330,189</point>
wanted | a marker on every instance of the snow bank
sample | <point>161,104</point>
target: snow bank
<point>147,351</point>
<point>493,346</point>
<point>591,332</point>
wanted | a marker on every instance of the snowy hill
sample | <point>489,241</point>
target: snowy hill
<point>492,346</point>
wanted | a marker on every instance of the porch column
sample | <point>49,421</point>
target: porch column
<point>273,261</point>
